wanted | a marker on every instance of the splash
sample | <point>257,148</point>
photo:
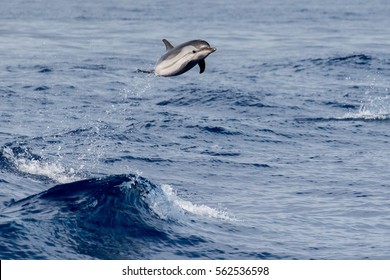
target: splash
<point>169,206</point>
<point>374,108</point>
<point>138,88</point>
<point>30,164</point>
<point>375,102</point>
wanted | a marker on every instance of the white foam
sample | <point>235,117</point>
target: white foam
<point>367,115</point>
<point>167,205</point>
<point>54,171</point>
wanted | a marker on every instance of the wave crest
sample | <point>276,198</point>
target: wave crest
<point>22,160</point>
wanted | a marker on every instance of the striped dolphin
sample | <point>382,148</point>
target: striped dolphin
<point>178,60</point>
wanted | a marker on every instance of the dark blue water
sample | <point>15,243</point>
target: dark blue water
<point>280,150</point>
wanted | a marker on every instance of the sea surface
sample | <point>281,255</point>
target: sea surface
<point>279,150</point>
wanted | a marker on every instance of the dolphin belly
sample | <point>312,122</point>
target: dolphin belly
<point>174,69</point>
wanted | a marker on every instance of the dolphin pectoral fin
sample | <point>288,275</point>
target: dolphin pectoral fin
<point>202,66</point>
<point>168,45</point>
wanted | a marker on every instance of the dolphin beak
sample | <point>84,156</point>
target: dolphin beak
<point>209,49</point>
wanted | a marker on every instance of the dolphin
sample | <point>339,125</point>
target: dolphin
<point>178,60</point>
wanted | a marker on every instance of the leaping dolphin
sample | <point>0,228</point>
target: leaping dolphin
<point>178,60</point>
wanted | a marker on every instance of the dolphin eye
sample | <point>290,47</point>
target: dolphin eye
<point>193,51</point>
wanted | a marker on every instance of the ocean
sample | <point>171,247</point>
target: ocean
<point>279,150</point>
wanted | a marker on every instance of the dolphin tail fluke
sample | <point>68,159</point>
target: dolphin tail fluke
<point>168,45</point>
<point>202,66</point>
<point>145,71</point>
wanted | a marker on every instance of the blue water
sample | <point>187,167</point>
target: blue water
<point>280,150</point>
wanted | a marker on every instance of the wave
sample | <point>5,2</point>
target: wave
<point>112,217</point>
<point>372,108</point>
<point>358,116</point>
<point>22,160</point>
<point>354,59</point>
<point>88,218</point>
<point>364,117</point>
<point>348,62</point>
<point>177,206</point>
<point>125,190</point>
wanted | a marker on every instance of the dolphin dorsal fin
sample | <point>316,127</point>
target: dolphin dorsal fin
<point>202,66</point>
<point>168,45</point>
